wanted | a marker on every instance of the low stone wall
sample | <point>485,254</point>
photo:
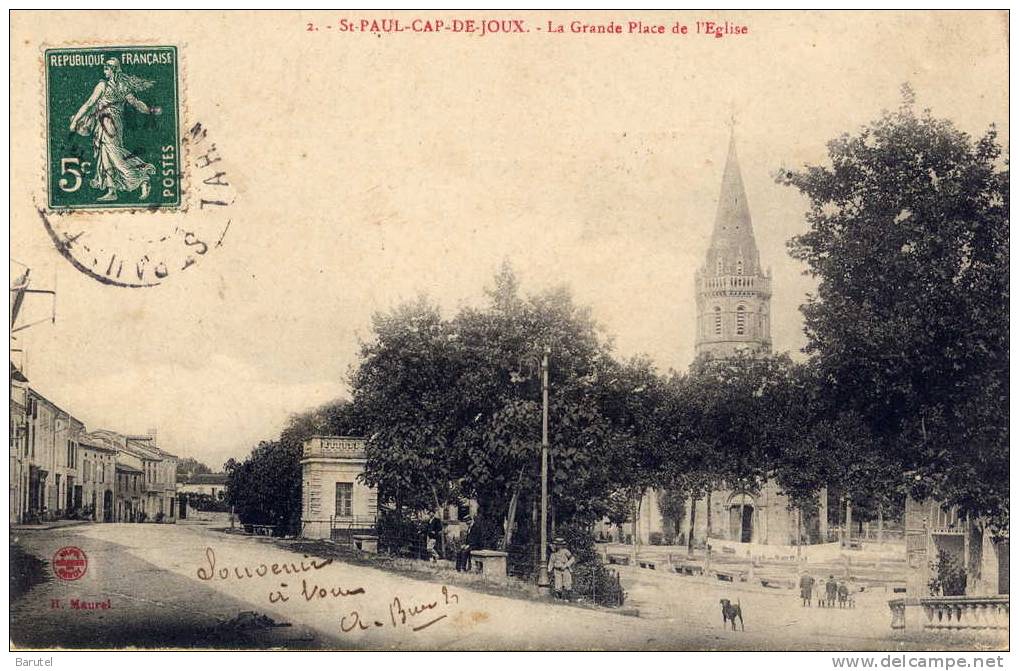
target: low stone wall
<point>823,552</point>
<point>201,516</point>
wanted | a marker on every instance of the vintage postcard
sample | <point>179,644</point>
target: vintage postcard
<point>510,330</point>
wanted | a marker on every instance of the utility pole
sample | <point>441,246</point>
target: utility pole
<point>543,558</point>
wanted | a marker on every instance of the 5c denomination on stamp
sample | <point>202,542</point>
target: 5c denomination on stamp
<point>113,128</point>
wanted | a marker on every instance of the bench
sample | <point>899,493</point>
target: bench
<point>489,562</point>
<point>646,564</point>
<point>616,558</point>
<point>731,576</point>
<point>777,583</point>
<point>688,568</point>
<point>262,529</point>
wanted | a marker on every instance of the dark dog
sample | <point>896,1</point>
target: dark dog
<point>731,612</point>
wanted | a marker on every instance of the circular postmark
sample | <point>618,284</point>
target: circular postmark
<point>143,247</point>
<point>70,563</point>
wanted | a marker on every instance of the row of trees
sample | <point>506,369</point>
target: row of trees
<point>905,388</point>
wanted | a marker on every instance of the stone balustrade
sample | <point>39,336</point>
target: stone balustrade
<point>952,612</point>
<point>335,446</point>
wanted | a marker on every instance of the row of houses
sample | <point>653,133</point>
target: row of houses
<point>59,469</point>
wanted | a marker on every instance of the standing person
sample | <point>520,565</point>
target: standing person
<point>463,555</point>
<point>843,594</point>
<point>806,588</point>
<point>560,565</point>
<point>831,589</point>
<point>434,542</point>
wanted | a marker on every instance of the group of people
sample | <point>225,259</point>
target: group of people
<point>560,559</point>
<point>835,592</point>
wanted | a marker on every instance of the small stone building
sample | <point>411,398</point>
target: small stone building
<point>334,502</point>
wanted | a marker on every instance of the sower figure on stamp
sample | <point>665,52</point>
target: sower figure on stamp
<point>560,565</point>
<point>102,117</point>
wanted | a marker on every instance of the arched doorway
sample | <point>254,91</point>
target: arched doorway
<point>108,506</point>
<point>741,517</point>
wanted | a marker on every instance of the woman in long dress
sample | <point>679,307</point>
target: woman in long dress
<point>102,117</point>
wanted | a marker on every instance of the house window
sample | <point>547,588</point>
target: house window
<point>344,499</point>
<point>741,320</point>
<point>718,320</point>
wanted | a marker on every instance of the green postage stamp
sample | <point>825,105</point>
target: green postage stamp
<point>113,128</point>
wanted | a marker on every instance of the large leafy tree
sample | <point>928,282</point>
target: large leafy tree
<point>908,241</point>
<point>191,466</point>
<point>453,406</point>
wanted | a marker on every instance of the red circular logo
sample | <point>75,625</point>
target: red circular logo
<point>70,563</point>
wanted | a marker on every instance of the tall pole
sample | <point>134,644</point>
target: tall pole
<point>543,559</point>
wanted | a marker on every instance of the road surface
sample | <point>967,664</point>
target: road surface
<point>184,585</point>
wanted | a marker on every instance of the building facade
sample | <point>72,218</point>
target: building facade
<point>333,500</point>
<point>45,461</point>
<point>733,297</point>
<point>209,484</point>
<point>17,434</point>
<point>97,474</point>
<point>59,470</point>
<point>146,477</point>
<point>932,529</point>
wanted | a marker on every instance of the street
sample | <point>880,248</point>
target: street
<point>184,585</point>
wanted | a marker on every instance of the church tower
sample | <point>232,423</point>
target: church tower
<point>733,291</point>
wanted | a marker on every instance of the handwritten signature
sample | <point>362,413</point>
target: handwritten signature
<point>403,615</point>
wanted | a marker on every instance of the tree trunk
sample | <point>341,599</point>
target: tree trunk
<point>849,523</point>
<point>707,503</point>
<point>511,513</point>
<point>799,531</point>
<point>693,522</point>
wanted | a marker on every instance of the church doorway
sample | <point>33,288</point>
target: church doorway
<point>741,519</point>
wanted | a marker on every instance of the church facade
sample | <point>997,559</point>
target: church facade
<point>733,296</point>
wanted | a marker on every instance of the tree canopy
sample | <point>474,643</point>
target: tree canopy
<point>454,405</point>
<point>909,326</point>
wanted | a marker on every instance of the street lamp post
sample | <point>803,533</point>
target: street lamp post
<point>543,558</point>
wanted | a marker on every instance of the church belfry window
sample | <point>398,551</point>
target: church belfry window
<point>719,266</point>
<point>741,320</point>
<point>739,267</point>
<point>718,320</point>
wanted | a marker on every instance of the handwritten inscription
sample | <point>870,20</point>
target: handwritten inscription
<point>416,616</point>
<point>310,591</point>
<point>260,571</point>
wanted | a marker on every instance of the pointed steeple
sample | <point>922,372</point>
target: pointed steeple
<point>732,240</point>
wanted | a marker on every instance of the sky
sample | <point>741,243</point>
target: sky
<point>371,169</point>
